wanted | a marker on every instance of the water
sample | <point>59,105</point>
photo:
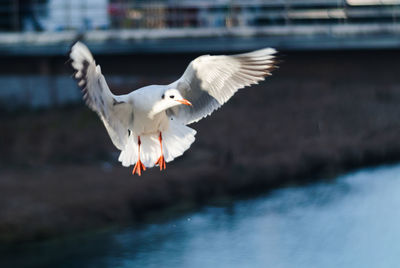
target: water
<point>353,221</point>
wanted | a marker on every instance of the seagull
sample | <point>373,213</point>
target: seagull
<point>149,125</point>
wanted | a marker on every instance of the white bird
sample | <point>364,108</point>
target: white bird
<point>149,125</point>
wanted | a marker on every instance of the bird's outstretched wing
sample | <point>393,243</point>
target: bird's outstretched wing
<point>113,110</point>
<point>210,81</point>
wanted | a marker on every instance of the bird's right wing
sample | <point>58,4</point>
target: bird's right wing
<point>115,112</point>
<point>210,81</point>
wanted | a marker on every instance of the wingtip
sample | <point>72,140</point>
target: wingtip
<point>80,53</point>
<point>269,50</point>
<point>78,45</point>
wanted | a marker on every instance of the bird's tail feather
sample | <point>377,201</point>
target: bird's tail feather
<point>175,141</point>
<point>129,155</point>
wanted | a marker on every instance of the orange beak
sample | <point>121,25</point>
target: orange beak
<point>185,101</point>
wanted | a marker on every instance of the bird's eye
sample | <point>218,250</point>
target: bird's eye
<point>172,96</point>
<point>163,96</point>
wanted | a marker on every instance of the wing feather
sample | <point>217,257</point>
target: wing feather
<point>210,81</point>
<point>113,110</point>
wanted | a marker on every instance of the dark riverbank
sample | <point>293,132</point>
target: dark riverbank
<point>318,115</point>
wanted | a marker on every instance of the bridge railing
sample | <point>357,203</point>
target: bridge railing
<point>59,15</point>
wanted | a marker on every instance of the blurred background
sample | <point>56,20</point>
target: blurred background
<point>281,176</point>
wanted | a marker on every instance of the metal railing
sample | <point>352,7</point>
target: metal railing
<point>60,15</point>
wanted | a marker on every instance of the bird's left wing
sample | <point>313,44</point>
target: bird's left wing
<point>115,112</point>
<point>210,81</point>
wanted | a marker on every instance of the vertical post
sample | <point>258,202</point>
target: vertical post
<point>84,16</point>
<point>287,10</point>
<point>394,14</point>
<point>67,11</point>
<point>15,15</point>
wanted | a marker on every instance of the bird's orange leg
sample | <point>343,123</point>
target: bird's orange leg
<point>161,160</point>
<point>139,165</point>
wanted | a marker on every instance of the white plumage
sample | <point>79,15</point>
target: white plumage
<point>148,125</point>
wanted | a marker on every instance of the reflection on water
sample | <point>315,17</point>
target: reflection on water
<point>351,222</point>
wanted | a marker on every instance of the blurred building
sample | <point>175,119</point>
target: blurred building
<point>31,27</point>
<point>58,15</point>
<point>83,15</point>
<point>18,15</point>
<point>47,28</point>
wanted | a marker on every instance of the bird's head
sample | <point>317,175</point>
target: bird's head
<point>172,97</point>
<point>168,99</point>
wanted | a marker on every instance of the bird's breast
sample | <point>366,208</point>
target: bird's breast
<point>143,124</point>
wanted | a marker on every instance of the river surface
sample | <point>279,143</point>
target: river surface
<point>352,221</point>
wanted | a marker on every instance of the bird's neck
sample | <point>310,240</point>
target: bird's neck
<point>158,107</point>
